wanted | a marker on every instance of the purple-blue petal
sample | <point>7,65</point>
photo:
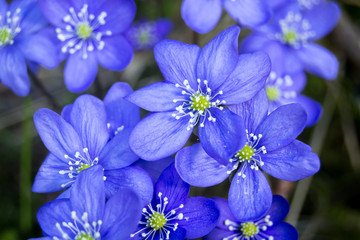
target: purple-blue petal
<point>154,168</point>
<point>278,210</point>
<point>225,213</point>
<point>66,113</point>
<point>55,11</point>
<point>313,109</point>
<point>283,231</point>
<point>218,233</point>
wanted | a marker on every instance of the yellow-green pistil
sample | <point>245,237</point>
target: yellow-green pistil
<point>84,236</point>
<point>83,167</point>
<point>5,35</point>
<point>245,154</point>
<point>84,30</point>
<point>290,37</point>
<point>157,220</point>
<point>249,229</point>
<point>272,93</point>
<point>199,102</point>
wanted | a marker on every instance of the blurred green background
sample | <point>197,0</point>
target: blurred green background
<point>324,207</point>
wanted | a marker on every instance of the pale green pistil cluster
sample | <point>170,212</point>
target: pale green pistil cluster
<point>290,37</point>
<point>84,30</point>
<point>5,36</point>
<point>245,154</point>
<point>199,102</point>
<point>272,93</point>
<point>249,229</point>
<point>157,220</point>
<point>84,236</point>
<point>83,167</point>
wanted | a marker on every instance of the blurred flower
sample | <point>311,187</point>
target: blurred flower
<point>198,83</point>
<point>270,226</point>
<point>91,132</point>
<point>86,215</point>
<point>144,34</point>
<point>203,15</point>
<point>294,31</point>
<point>23,39</point>
<point>271,146</point>
<point>91,33</point>
<point>172,215</point>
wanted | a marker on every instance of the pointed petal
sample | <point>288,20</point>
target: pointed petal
<point>278,210</point>
<point>199,169</point>
<point>283,231</point>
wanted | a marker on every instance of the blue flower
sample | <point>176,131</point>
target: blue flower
<point>91,132</point>
<point>294,30</point>
<point>198,83</point>
<point>86,215</point>
<point>203,15</point>
<point>172,215</point>
<point>23,39</point>
<point>271,146</point>
<point>268,227</point>
<point>144,34</point>
<point>91,33</point>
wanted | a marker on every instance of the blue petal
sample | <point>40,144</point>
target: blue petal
<point>318,60</point>
<point>88,117</point>
<point>3,9</point>
<point>248,12</point>
<point>218,233</point>
<point>157,97</point>
<point>201,15</point>
<point>225,213</point>
<point>80,73</point>
<point>88,194</point>
<point>66,113</point>
<point>253,112</point>
<point>122,214</point>
<point>13,71</point>
<point>283,231</point>
<point>177,61</point>
<point>163,27</point>
<point>130,177</point>
<point>197,168</point>
<point>219,57</point>
<point>278,210</point>
<point>291,163</point>
<point>159,135</point>
<point>58,135</point>
<point>179,234</point>
<point>282,126</point>
<point>247,79</point>
<point>55,11</point>
<point>116,54</point>
<point>117,153</point>
<point>48,178</point>
<point>323,18</point>
<point>173,187</point>
<point>255,42</point>
<point>201,216</point>
<point>249,197</point>
<point>221,139</point>
<point>43,238</point>
<point>154,168</point>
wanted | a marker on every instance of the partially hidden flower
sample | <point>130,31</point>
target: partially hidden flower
<point>203,15</point>
<point>268,227</point>
<point>172,214</point>
<point>23,40</point>
<point>294,30</point>
<point>86,214</point>
<point>89,133</point>
<point>271,147</point>
<point>91,33</point>
<point>144,34</point>
<point>198,84</point>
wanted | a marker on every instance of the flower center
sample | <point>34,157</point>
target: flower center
<point>290,37</point>
<point>249,229</point>
<point>84,236</point>
<point>84,30</point>
<point>272,93</point>
<point>5,36</point>
<point>82,167</point>
<point>246,153</point>
<point>11,27</point>
<point>157,220</point>
<point>199,102</point>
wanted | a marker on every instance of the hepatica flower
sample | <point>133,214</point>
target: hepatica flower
<point>268,227</point>
<point>86,215</point>
<point>294,31</point>
<point>89,133</point>
<point>172,215</point>
<point>91,33</point>
<point>23,40</point>
<point>198,84</point>
<point>203,15</point>
<point>271,146</point>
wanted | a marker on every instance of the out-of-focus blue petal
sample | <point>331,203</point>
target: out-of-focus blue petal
<point>318,60</point>
<point>323,18</point>
<point>88,117</point>
<point>173,187</point>
<point>58,136</point>
<point>32,21</point>
<point>48,178</point>
<point>199,169</point>
<point>249,197</point>
<point>55,11</point>
<point>163,27</point>
<point>159,135</point>
<point>122,214</point>
<point>221,139</point>
<point>66,113</point>
<point>283,231</point>
<point>219,57</point>
<point>254,111</point>
<point>13,71</point>
<point>247,79</point>
<point>43,238</point>
<point>282,126</point>
<point>3,9</point>
<point>88,194</point>
<point>157,97</point>
<point>254,42</point>
<point>116,54</point>
<point>80,73</point>
<point>278,210</point>
<point>291,163</point>
<point>154,168</point>
<point>201,216</point>
<point>131,177</point>
<point>177,61</point>
<point>248,12</point>
<point>225,213</point>
<point>201,15</point>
